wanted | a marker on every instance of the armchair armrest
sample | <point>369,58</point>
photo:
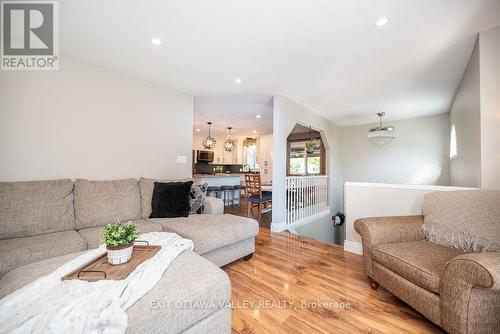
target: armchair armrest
<point>214,206</point>
<point>382,230</point>
<point>470,294</point>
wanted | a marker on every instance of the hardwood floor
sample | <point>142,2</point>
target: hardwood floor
<point>241,210</point>
<point>295,284</point>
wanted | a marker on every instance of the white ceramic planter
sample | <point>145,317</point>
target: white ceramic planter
<point>118,255</point>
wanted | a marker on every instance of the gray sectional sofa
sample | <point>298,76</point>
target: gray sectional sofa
<point>44,224</point>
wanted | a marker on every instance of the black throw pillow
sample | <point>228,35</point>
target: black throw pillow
<point>171,200</point>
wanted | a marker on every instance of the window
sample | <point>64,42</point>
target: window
<point>303,163</point>
<point>453,143</point>
<point>250,153</point>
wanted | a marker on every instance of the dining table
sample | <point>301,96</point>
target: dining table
<point>267,188</point>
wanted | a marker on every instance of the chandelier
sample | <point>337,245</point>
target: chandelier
<point>381,135</point>
<point>229,143</point>
<point>208,142</point>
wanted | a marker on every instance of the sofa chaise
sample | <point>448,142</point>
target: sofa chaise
<point>444,263</point>
<point>44,224</point>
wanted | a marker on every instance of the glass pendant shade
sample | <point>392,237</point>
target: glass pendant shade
<point>381,135</point>
<point>209,142</point>
<point>229,143</point>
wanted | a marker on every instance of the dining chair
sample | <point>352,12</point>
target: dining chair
<point>255,196</point>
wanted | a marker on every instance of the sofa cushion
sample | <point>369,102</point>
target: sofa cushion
<point>21,276</point>
<point>146,187</point>
<point>98,203</point>
<point>93,234</point>
<point>468,220</point>
<point>20,251</point>
<point>189,279</point>
<point>35,207</point>
<point>214,206</point>
<point>210,232</point>
<point>421,262</point>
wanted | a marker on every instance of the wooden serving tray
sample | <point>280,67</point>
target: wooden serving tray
<point>99,268</point>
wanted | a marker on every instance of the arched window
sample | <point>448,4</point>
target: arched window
<point>300,159</point>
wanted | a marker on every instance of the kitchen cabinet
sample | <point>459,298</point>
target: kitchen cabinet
<point>265,154</point>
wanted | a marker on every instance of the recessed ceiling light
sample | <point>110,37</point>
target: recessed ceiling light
<point>382,21</point>
<point>237,81</point>
<point>197,130</point>
<point>254,131</point>
<point>258,116</point>
<point>156,41</point>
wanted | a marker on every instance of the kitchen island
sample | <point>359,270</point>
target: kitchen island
<point>217,180</point>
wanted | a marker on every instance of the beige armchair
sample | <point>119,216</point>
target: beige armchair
<point>458,291</point>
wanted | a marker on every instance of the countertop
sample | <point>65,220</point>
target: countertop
<point>218,175</point>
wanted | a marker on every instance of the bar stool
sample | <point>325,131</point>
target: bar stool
<point>237,189</point>
<point>213,189</point>
<point>228,195</point>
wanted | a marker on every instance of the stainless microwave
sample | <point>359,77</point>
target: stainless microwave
<point>205,156</point>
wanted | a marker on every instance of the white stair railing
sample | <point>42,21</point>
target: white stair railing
<point>306,196</point>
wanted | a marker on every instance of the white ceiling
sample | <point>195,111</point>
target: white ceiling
<point>238,112</point>
<point>327,55</point>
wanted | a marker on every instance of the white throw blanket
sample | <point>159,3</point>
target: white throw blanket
<point>49,305</point>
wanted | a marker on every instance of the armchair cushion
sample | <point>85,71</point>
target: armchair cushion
<point>382,230</point>
<point>421,262</point>
<point>468,220</point>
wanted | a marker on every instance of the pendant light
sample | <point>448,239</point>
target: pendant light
<point>209,142</point>
<point>229,143</point>
<point>381,135</point>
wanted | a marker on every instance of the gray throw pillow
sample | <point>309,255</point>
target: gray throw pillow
<point>197,198</point>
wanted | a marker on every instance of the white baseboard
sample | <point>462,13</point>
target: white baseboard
<point>279,227</point>
<point>353,247</point>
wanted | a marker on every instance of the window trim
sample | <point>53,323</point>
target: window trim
<point>306,156</point>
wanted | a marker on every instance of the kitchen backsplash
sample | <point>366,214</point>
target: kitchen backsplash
<point>204,168</point>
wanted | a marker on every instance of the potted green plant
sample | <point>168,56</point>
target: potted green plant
<point>310,146</point>
<point>119,240</point>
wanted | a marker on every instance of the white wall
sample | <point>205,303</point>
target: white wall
<point>286,113</point>
<point>378,200</point>
<point>419,155</point>
<point>465,169</point>
<point>88,121</point>
<point>489,58</point>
